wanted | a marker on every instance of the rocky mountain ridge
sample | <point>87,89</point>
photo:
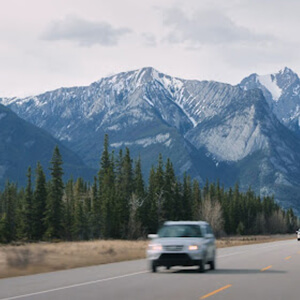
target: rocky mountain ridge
<point>208,129</point>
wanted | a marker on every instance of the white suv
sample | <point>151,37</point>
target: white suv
<point>298,235</point>
<point>182,243</point>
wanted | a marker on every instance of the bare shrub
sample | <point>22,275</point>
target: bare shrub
<point>134,225</point>
<point>277,222</point>
<point>22,257</point>
<point>260,224</point>
<point>212,213</point>
<point>18,258</point>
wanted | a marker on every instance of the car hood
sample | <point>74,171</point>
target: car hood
<point>177,241</point>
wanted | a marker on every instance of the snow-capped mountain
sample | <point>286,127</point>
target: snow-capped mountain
<point>208,129</point>
<point>282,91</point>
<point>23,144</point>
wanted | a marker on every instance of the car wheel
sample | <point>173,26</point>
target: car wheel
<point>212,264</point>
<point>153,267</point>
<point>201,267</point>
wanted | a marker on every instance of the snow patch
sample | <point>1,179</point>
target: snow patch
<point>270,83</point>
<point>168,143</point>
<point>281,179</point>
<point>146,142</point>
<point>296,90</point>
<point>149,101</point>
<point>8,101</point>
<point>114,127</point>
<point>187,114</point>
<point>64,137</point>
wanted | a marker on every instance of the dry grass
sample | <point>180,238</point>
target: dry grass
<point>45,257</point>
<point>254,239</point>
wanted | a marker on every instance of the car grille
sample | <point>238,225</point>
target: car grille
<point>173,247</point>
<point>175,259</point>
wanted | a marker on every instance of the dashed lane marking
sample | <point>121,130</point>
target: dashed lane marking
<point>266,268</point>
<point>216,291</point>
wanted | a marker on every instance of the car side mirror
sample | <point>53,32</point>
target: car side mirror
<point>152,236</point>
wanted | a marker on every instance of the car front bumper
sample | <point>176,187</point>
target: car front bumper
<point>190,258</point>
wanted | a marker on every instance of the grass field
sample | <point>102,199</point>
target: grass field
<point>18,260</point>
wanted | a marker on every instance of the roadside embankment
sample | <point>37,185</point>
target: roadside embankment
<point>25,259</point>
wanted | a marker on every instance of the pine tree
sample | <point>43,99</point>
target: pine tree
<point>8,219</point>
<point>187,197</point>
<point>96,211</point>
<point>54,206</point>
<point>138,181</point>
<point>149,208</point>
<point>169,188</point>
<point>159,189</point>
<point>106,178</point>
<point>105,161</point>
<point>206,188</point>
<point>196,201</point>
<point>2,228</point>
<point>28,207</point>
<point>124,190</point>
<point>80,221</point>
<point>39,204</point>
<point>178,202</point>
<point>235,217</point>
<point>69,212</point>
<point>25,212</point>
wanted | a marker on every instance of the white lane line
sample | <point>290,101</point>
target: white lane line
<point>73,286</point>
<point>231,254</point>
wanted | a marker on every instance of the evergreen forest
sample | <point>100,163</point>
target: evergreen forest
<point>119,204</point>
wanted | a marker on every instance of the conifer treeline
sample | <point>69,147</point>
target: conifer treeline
<point>120,205</point>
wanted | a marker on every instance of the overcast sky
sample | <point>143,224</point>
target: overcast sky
<point>46,44</point>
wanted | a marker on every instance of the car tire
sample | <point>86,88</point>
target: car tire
<point>201,268</point>
<point>153,267</point>
<point>212,264</point>
<point>298,239</point>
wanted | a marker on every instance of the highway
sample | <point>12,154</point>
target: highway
<point>262,271</point>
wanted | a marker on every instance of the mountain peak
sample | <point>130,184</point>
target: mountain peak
<point>146,74</point>
<point>286,77</point>
<point>286,71</point>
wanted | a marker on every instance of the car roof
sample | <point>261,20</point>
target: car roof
<point>185,223</point>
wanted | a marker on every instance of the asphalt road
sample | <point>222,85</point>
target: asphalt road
<point>262,271</point>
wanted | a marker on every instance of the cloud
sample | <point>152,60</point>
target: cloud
<point>206,28</point>
<point>149,39</point>
<point>84,32</point>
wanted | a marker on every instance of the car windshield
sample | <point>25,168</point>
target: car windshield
<point>169,231</point>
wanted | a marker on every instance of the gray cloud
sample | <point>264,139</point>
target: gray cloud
<point>84,32</point>
<point>206,27</point>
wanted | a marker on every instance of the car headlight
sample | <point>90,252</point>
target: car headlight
<point>155,247</point>
<point>193,247</point>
